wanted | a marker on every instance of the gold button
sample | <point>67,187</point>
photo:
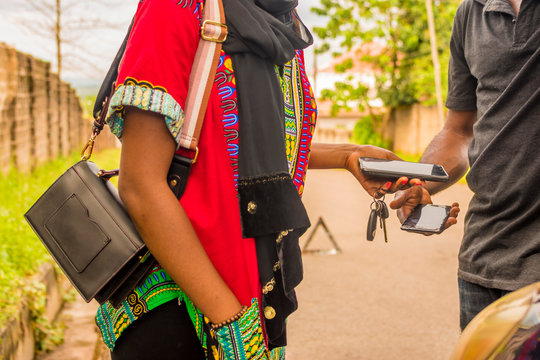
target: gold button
<point>252,207</point>
<point>269,312</point>
<point>174,182</point>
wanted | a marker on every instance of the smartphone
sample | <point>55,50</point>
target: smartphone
<point>427,218</point>
<point>394,169</point>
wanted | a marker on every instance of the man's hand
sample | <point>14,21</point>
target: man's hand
<point>405,201</point>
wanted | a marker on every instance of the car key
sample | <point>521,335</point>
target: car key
<point>383,215</point>
<point>372,221</point>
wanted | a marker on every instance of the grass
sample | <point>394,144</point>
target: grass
<point>87,103</point>
<point>21,252</point>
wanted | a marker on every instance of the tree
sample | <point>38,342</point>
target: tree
<point>403,67</point>
<point>64,22</point>
<point>435,59</point>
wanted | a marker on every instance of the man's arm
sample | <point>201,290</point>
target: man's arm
<point>449,148</point>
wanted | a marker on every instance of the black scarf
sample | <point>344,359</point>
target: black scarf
<point>263,34</point>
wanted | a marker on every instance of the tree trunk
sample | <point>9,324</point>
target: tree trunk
<point>58,39</point>
<point>436,64</point>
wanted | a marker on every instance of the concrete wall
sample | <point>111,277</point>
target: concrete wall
<point>334,130</point>
<point>40,115</point>
<point>412,128</point>
<point>8,90</point>
<point>17,337</point>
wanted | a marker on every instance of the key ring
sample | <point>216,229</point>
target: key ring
<point>379,195</point>
<point>377,205</point>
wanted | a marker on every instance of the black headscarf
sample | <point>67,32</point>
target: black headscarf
<point>263,36</point>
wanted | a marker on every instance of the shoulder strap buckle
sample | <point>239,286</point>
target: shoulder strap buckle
<point>217,32</point>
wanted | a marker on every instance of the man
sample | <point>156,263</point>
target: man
<point>494,112</point>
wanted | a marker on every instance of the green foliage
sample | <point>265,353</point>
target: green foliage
<point>87,103</point>
<point>408,157</point>
<point>364,132</point>
<point>21,252</point>
<point>47,334</point>
<point>342,94</point>
<point>403,68</point>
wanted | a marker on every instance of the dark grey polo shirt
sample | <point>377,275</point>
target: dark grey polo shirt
<point>495,68</point>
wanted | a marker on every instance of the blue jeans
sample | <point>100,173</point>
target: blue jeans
<point>473,298</point>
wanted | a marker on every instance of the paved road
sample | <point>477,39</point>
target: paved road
<point>373,301</point>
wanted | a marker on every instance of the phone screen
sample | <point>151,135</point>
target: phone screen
<point>427,218</point>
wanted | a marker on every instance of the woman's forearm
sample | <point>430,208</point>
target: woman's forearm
<point>330,156</point>
<point>147,150</point>
<point>345,156</point>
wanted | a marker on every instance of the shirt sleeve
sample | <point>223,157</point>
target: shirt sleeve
<point>461,83</point>
<point>154,72</point>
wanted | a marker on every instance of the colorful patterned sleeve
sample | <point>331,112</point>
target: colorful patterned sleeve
<point>154,72</point>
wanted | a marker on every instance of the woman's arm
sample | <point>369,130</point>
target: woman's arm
<point>345,156</point>
<point>147,152</point>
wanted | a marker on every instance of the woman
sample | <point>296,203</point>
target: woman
<point>228,251</point>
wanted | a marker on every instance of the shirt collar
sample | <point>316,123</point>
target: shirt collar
<point>497,6</point>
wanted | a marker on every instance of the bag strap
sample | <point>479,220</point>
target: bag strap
<point>105,91</point>
<point>213,33</point>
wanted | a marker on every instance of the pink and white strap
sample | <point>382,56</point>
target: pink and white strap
<point>213,34</point>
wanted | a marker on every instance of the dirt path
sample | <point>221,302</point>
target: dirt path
<point>375,300</point>
<point>80,337</point>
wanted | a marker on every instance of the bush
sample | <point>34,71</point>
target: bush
<point>21,252</point>
<point>364,133</point>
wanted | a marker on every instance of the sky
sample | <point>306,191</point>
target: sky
<point>91,65</point>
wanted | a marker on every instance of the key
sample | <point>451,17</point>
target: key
<point>372,225</point>
<point>383,215</point>
<point>383,209</point>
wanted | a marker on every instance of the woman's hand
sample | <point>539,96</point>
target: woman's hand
<point>243,338</point>
<point>376,186</point>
